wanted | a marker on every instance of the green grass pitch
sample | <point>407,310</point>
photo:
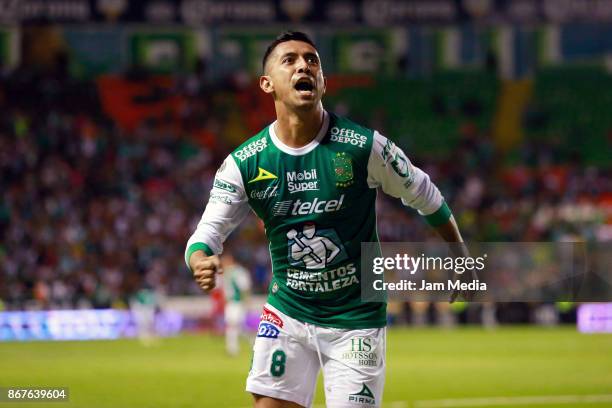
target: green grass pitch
<point>465,367</point>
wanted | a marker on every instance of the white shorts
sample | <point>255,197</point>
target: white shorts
<point>288,354</point>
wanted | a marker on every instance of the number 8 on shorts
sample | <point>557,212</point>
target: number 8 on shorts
<point>279,358</point>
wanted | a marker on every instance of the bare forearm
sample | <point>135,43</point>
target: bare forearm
<point>449,231</point>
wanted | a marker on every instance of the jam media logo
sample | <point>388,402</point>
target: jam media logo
<point>365,396</point>
<point>267,330</point>
<point>343,169</point>
<point>271,317</point>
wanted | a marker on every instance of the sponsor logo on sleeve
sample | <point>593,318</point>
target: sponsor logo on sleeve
<point>220,198</point>
<point>399,162</point>
<point>224,185</point>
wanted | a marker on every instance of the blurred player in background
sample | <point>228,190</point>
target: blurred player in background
<point>312,177</point>
<point>237,288</point>
<point>143,305</point>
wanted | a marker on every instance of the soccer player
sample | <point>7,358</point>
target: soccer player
<point>311,176</point>
<point>236,288</point>
<point>143,304</point>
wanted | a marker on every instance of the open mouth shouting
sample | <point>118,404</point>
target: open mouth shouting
<point>305,86</point>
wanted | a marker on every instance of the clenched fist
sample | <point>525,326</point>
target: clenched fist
<point>204,269</point>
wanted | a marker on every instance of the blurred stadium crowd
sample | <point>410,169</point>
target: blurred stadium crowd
<point>90,212</point>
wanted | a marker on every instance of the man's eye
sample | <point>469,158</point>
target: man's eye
<point>313,60</point>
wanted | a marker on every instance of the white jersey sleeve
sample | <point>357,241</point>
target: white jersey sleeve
<point>227,207</point>
<point>390,169</point>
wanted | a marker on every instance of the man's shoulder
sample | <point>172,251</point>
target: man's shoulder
<point>252,146</point>
<point>342,122</point>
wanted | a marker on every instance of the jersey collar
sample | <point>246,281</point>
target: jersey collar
<point>299,151</point>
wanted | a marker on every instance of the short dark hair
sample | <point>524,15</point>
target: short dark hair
<point>284,37</point>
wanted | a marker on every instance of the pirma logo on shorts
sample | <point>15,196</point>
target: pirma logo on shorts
<point>365,396</point>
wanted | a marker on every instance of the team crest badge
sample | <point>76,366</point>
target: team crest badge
<point>343,169</point>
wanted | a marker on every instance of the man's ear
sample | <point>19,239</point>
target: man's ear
<point>265,83</point>
<point>324,84</point>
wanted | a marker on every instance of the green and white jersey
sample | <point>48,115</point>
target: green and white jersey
<point>317,203</point>
<point>236,282</point>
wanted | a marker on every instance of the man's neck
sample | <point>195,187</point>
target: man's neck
<point>297,129</point>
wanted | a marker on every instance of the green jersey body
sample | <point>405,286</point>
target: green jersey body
<point>317,208</point>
